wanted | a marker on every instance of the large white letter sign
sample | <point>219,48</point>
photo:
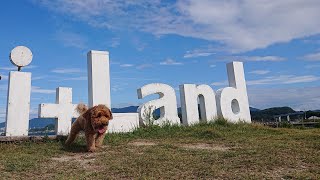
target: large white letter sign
<point>233,101</point>
<point>63,110</point>
<point>189,94</point>
<point>99,91</point>
<point>19,90</point>
<point>98,78</point>
<point>18,105</point>
<point>167,104</point>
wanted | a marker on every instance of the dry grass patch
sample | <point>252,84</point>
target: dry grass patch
<point>84,160</point>
<point>142,143</point>
<point>205,151</point>
<point>203,146</point>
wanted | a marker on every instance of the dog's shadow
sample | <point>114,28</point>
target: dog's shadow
<point>75,147</point>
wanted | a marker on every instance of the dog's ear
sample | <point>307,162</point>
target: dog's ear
<point>89,114</point>
<point>111,116</point>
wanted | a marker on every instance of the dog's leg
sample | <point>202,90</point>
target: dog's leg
<point>90,142</point>
<point>75,129</point>
<point>99,139</point>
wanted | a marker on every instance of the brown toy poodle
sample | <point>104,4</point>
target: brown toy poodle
<point>94,122</point>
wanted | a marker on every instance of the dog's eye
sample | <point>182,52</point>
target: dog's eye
<point>106,124</point>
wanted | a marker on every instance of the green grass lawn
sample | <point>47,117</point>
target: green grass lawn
<point>206,151</point>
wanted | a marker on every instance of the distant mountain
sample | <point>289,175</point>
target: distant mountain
<point>254,109</point>
<point>133,109</point>
<point>130,109</point>
<point>41,122</point>
<point>256,114</point>
<point>36,122</point>
<point>267,114</point>
<point>2,125</point>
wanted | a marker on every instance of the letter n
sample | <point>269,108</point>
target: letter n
<point>189,94</point>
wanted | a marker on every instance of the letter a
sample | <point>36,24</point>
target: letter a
<point>167,104</point>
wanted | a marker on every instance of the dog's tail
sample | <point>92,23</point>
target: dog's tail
<point>81,108</point>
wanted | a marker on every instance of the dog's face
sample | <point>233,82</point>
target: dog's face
<point>100,116</point>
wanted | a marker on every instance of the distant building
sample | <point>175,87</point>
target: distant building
<point>313,117</point>
<point>290,116</point>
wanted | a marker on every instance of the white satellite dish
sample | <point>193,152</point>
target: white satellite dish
<point>21,56</point>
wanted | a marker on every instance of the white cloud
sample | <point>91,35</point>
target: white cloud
<point>3,112</point>
<point>252,58</point>
<point>115,42</point>
<point>240,25</point>
<point>14,68</point>
<point>138,43</point>
<point>312,57</point>
<point>311,66</point>
<point>276,80</point>
<point>80,78</point>
<point>312,40</point>
<point>144,66</point>
<point>4,77</point>
<point>135,78</point>
<point>36,89</point>
<point>213,65</point>
<point>259,72</point>
<point>126,65</point>
<point>222,83</point>
<point>33,113</point>
<point>170,62</point>
<point>300,98</point>
<point>67,70</point>
<point>3,87</point>
<point>261,58</point>
<point>34,78</point>
<point>116,88</point>
<point>200,53</point>
<point>284,79</point>
<point>71,39</point>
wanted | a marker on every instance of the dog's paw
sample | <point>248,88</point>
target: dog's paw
<point>67,143</point>
<point>99,145</point>
<point>92,149</point>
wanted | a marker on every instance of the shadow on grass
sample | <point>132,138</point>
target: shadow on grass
<point>76,147</point>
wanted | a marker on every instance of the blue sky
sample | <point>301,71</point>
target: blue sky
<point>172,42</point>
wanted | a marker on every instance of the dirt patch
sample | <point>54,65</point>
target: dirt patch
<point>203,146</point>
<point>142,143</point>
<point>283,173</point>
<point>85,160</point>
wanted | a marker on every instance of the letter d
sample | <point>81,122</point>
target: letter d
<point>232,102</point>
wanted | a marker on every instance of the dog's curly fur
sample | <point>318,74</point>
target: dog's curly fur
<point>94,122</point>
